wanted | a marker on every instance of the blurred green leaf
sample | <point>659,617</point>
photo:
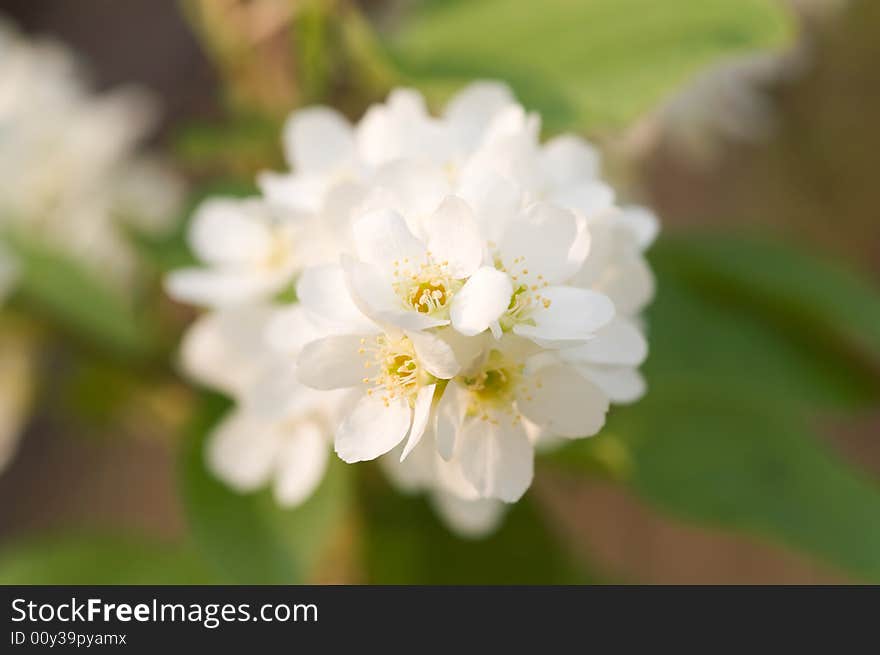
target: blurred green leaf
<point>794,288</point>
<point>704,333</point>
<point>248,538</point>
<point>81,560</point>
<point>78,299</point>
<point>311,42</point>
<point>723,460</point>
<point>751,341</point>
<point>94,391</point>
<point>612,59</point>
<point>238,147</point>
<point>405,543</point>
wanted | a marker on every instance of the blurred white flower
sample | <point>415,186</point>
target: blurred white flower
<point>452,496</point>
<point>69,170</point>
<point>471,292</point>
<point>252,248</point>
<point>248,248</point>
<point>283,440</point>
<point>70,176</point>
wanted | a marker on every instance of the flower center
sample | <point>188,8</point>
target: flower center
<point>280,249</point>
<point>526,296</point>
<point>494,386</point>
<point>427,289</point>
<point>428,296</point>
<point>395,369</point>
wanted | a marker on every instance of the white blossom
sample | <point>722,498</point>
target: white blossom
<point>452,496</point>
<point>71,178</point>
<point>473,291</point>
<point>70,172</point>
<point>396,375</point>
<point>282,440</point>
<point>248,249</point>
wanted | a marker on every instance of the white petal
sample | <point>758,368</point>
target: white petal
<point>277,394</point>
<point>568,313</point>
<point>580,249</point>
<point>630,284</point>
<point>643,224</point>
<point>497,459</point>
<point>471,110</point>
<point>481,301</point>
<point>472,519</point>
<point>407,102</point>
<point>415,188</point>
<point>448,418</point>
<point>512,122</point>
<point>223,349</point>
<point>290,328</point>
<point>449,478</point>
<point>242,450</point>
<point>374,137</point>
<point>301,192</point>
<point>382,238</point>
<point>401,129</point>
<point>324,291</point>
<point>372,293</point>
<point>223,287</point>
<point>301,463</point>
<point>372,428</point>
<point>619,342</point>
<point>435,355</point>
<point>567,160</point>
<point>228,230</point>
<point>340,202</point>
<point>332,363</point>
<point>589,199</point>
<point>454,237</point>
<point>492,197</point>
<point>543,240</point>
<point>421,413</point>
<point>317,139</point>
<point>622,385</point>
<point>467,350</point>
<point>563,402</point>
<point>413,474</point>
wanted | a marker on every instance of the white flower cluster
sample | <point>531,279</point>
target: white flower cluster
<point>69,171</point>
<point>463,292</point>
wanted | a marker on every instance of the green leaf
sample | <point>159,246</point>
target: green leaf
<point>707,456</point>
<point>702,332</point>
<point>75,297</point>
<point>612,59</point>
<point>79,560</point>
<point>406,544</point>
<point>248,538</point>
<point>794,287</point>
<point>235,148</point>
<point>751,342</point>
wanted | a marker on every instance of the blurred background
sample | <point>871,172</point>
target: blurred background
<point>750,126</point>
